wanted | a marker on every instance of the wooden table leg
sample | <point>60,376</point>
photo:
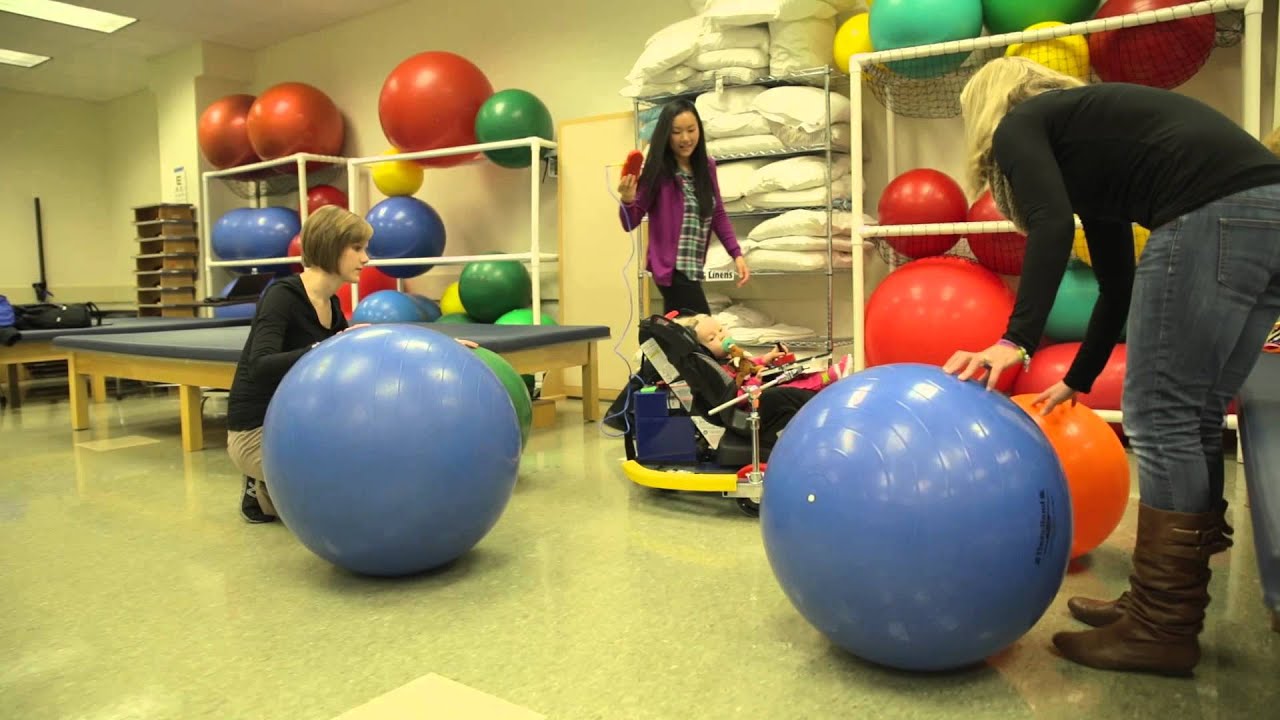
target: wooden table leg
<point>591,385</point>
<point>192,422</point>
<point>13,386</point>
<point>98,388</point>
<point>78,392</point>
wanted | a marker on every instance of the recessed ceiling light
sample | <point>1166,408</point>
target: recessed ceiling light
<point>21,59</point>
<point>67,14</point>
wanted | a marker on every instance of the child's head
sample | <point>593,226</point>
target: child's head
<point>709,332</point>
<point>334,240</point>
<point>1272,141</point>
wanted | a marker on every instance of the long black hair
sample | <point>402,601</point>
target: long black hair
<point>660,165</point>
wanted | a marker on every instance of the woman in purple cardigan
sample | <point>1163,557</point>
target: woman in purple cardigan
<point>679,192</point>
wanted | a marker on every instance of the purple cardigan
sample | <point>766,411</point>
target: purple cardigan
<point>666,215</point>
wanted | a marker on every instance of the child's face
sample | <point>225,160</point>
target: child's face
<point>712,335</point>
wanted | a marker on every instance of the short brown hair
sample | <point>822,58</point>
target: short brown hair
<point>328,232</point>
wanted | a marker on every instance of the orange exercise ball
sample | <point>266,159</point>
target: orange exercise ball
<point>295,117</point>
<point>1096,467</point>
<point>222,133</point>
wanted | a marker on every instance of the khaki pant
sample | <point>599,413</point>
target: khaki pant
<point>245,449</point>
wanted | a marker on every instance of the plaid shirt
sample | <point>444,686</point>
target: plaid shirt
<point>691,253</point>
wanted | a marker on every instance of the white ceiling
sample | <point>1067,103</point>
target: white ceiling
<point>94,66</point>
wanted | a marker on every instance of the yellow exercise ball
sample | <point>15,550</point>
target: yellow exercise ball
<point>1068,55</point>
<point>1081,247</point>
<point>853,37</point>
<point>450,302</point>
<point>397,177</point>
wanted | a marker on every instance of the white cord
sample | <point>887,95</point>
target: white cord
<point>631,308</point>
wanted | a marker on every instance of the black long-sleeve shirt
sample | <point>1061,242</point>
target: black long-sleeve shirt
<point>285,327</point>
<point>1114,154</point>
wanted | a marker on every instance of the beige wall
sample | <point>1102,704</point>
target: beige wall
<point>57,149</point>
<point>574,59</point>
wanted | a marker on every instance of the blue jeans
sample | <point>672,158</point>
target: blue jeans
<point>1206,293</point>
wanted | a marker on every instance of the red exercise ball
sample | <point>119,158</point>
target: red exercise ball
<point>321,195</point>
<point>371,281</point>
<point>294,117</point>
<point>1162,55</point>
<point>430,101</point>
<point>222,133</point>
<point>919,196</point>
<point>927,310</point>
<point>295,250</point>
<point>1050,364</point>
<point>1000,252</point>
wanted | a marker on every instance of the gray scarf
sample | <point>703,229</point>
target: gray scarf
<point>1003,196</point>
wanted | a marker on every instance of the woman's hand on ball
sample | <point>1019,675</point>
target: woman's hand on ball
<point>357,326</point>
<point>1055,396</point>
<point>994,360</point>
<point>466,343</point>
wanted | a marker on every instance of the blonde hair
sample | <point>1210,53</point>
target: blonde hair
<point>691,321</point>
<point>989,95</point>
<point>1272,141</point>
<point>328,232</point>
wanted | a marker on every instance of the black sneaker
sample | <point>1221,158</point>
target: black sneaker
<point>250,510</point>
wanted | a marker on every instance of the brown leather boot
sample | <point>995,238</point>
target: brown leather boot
<point>1168,595</point>
<point>1104,612</point>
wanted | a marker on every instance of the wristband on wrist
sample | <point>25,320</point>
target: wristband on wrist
<point>1022,352</point>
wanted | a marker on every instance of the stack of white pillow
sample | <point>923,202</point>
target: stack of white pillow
<point>738,40</point>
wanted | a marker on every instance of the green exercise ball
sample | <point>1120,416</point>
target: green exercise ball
<point>515,388</point>
<point>522,316</point>
<point>897,24</point>
<point>491,288</point>
<point>1006,16</point>
<point>455,319</point>
<point>1073,305</point>
<point>509,115</point>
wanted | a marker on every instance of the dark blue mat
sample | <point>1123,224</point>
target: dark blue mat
<point>116,325</point>
<point>225,343</point>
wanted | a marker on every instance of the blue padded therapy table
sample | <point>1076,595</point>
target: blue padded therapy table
<point>1259,421</point>
<point>206,358</point>
<point>37,345</point>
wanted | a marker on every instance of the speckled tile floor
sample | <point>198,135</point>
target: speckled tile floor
<point>132,589</point>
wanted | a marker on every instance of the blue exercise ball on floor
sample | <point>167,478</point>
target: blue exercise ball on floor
<point>388,306</point>
<point>917,521</point>
<point>390,450</point>
<point>430,308</point>
<point>405,227</point>
<point>249,233</point>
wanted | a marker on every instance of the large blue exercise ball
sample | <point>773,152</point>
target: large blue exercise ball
<point>917,521</point>
<point>250,233</point>
<point>907,23</point>
<point>388,306</point>
<point>405,227</point>
<point>390,450</point>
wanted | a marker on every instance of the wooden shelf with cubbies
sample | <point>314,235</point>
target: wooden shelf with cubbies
<point>167,263</point>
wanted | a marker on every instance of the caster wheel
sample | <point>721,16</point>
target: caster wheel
<point>750,508</point>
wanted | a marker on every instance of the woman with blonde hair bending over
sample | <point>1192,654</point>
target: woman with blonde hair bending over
<point>1198,306</point>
